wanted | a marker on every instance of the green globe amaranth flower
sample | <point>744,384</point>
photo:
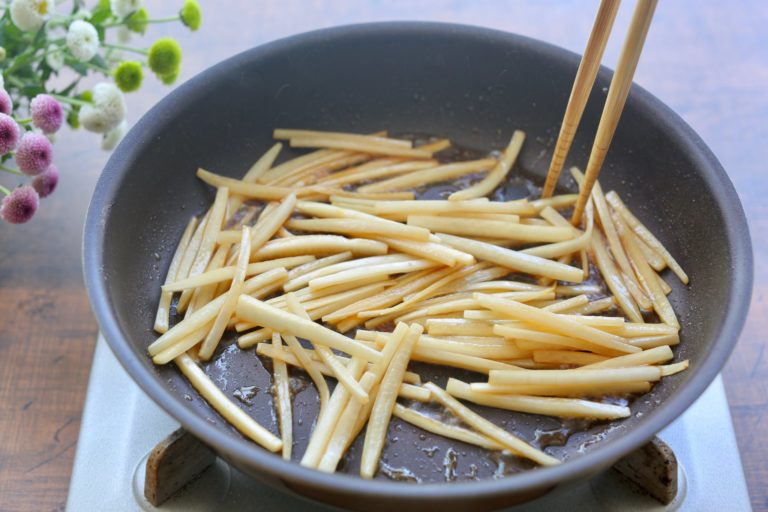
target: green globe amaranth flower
<point>72,119</point>
<point>165,57</point>
<point>86,95</point>
<point>2,53</point>
<point>170,78</point>
<point>137,22</point>
<point>190,14</point>
<point>128,76</point>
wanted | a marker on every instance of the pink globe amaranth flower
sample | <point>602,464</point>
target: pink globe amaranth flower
<point>35,154</point>
<point>20,205</point>
<point>47,113</point>
<point>6,103</point>
<point>9,133</point>
<point>45,183</point>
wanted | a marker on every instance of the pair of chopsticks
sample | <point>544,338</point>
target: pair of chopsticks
<point>614,104</point>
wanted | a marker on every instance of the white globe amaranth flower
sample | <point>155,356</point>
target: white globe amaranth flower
<point>113,137</point>
<point>54,57</point>
<point>106,111</point>
<point>123,8</point>
<point>29,15</point>
<point>82,40</point>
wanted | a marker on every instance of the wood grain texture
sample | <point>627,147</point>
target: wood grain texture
<point>706,60</point>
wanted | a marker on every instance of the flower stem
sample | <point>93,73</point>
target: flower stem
<point>125,48</point>
<point>5,168</point>
<point>26,120</point>
<point>156,20</point>
<point>15,81</point>
<point>71,101</point>
<point>5,190</point>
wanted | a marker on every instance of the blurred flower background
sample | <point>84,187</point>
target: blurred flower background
<point>49,56</point>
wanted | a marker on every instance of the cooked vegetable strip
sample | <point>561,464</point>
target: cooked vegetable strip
<point>579,390</point>
<point>319,263</point>
<point>434,175</point>
<point>443,429</point>
<point>281,321</point>
<point>567,305</point>
<point>384,269</point>
<point>207,242</point>
<point>251,190</point>
<point>671,369</point>
<point>228,307</point>
<point>465,362</point>
<point>381,412</point>
<point>554,322</point>
<point>648,278</point>
<point>645,234</point>
<point>494,178</point>
<point>646,342</point>
<point>576,376</point>
<point>224,406</point>
<point>164,305</point>
<point>303,280</point>
<point>651,356</point>
<point>561,201</point>
<point>318,244</point>
<point>376,169</point>
<point>227,273</point>
<point>570,357</point>
<point>617,249</point>
<point>359,227</point>
<point>282,393</point>
<point>282,133</point>
<point>437,207</point>
<point>490,430</point>
<point>434,251</point>
<point>613,279</point>
<point>501,229</point>
<point>204,294</point>
<point>364,146</point>
<point>566,247</point>
<point>300,164</point>
<point>384,226</point>
<point>514,260</point>
<point>561,407</point>
<point>263,164</point>
<point>267,228</point>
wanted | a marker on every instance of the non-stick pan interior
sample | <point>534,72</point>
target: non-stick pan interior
<point>472,85</point>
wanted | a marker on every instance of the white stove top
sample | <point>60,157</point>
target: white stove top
<point>116,436</point>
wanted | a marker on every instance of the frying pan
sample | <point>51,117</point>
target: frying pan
<point>472,85</point>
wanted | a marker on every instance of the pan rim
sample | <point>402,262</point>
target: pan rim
<point>267,463</point>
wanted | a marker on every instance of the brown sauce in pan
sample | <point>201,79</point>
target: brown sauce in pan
<point>411,454</point>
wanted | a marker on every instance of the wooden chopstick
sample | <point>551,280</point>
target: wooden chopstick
<point>582,85</point>
<point>617,97</point>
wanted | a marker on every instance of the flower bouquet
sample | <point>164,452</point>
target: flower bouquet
<point>44,55</point>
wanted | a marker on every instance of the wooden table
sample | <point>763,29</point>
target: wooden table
<point>705,59</point>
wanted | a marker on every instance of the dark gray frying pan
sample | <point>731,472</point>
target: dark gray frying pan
<point>472,85</point>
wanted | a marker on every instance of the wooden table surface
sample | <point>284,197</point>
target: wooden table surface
<point>706,59</point>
